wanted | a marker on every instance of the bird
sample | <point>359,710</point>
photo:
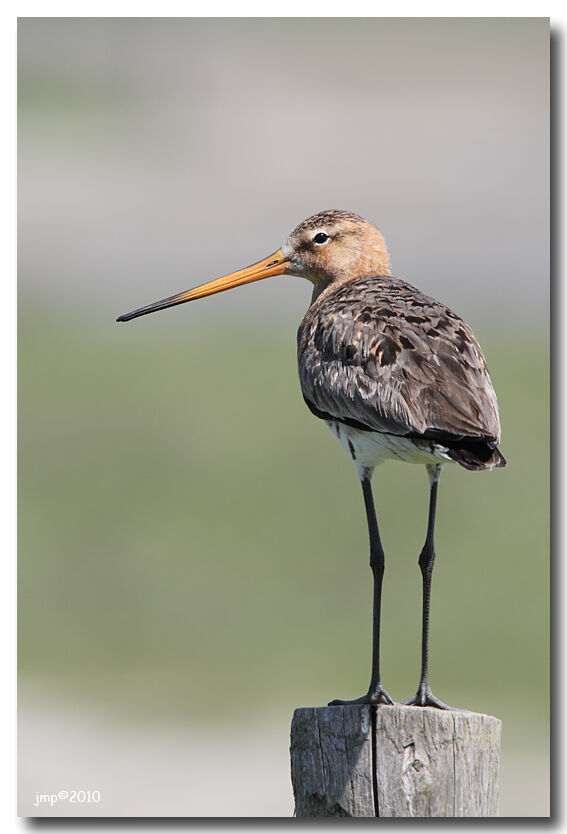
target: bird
<point>395,375</point>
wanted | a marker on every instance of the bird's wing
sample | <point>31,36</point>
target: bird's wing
<point>378,354</point>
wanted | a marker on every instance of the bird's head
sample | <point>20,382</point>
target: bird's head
<point>335,246</point>
<point>331,246</point>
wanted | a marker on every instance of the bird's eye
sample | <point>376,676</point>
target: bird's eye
<point>320,237</point>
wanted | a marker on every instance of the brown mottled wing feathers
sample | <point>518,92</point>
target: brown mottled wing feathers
<point>377,353</point>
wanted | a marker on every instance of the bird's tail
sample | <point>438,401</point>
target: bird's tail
<point>476,454</point>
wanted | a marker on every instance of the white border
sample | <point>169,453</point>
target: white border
<point>171,8</point>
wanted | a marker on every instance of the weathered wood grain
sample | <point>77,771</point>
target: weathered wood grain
<point>331,762</point>
<point>394,761</point>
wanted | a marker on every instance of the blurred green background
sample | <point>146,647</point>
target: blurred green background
<point>192,543</point>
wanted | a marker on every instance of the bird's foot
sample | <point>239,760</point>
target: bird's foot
<point>377,695</point>
<point>424,697</point>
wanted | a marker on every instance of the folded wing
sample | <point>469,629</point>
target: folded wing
<point>378,354</point>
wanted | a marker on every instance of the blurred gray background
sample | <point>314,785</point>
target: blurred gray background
<point>193,550</point>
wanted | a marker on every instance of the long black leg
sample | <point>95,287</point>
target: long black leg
<point>424,697</point>
<point>376,693</point>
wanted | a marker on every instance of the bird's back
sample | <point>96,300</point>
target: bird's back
<point>377,354</point>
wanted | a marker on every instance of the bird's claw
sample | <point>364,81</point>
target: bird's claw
<point>374,697</point>
<point>424,697</point>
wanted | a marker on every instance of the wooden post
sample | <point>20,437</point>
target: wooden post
<point>394,761</point>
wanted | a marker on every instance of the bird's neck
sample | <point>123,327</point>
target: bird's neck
<point>320,287</point>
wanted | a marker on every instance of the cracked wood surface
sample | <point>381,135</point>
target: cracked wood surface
<point>394,761</point>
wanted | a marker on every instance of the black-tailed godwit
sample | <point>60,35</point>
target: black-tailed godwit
<point>392,372</point>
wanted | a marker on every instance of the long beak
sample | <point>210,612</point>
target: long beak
<point>275,264</point>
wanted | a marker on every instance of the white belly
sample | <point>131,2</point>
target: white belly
<point>369,449</point>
